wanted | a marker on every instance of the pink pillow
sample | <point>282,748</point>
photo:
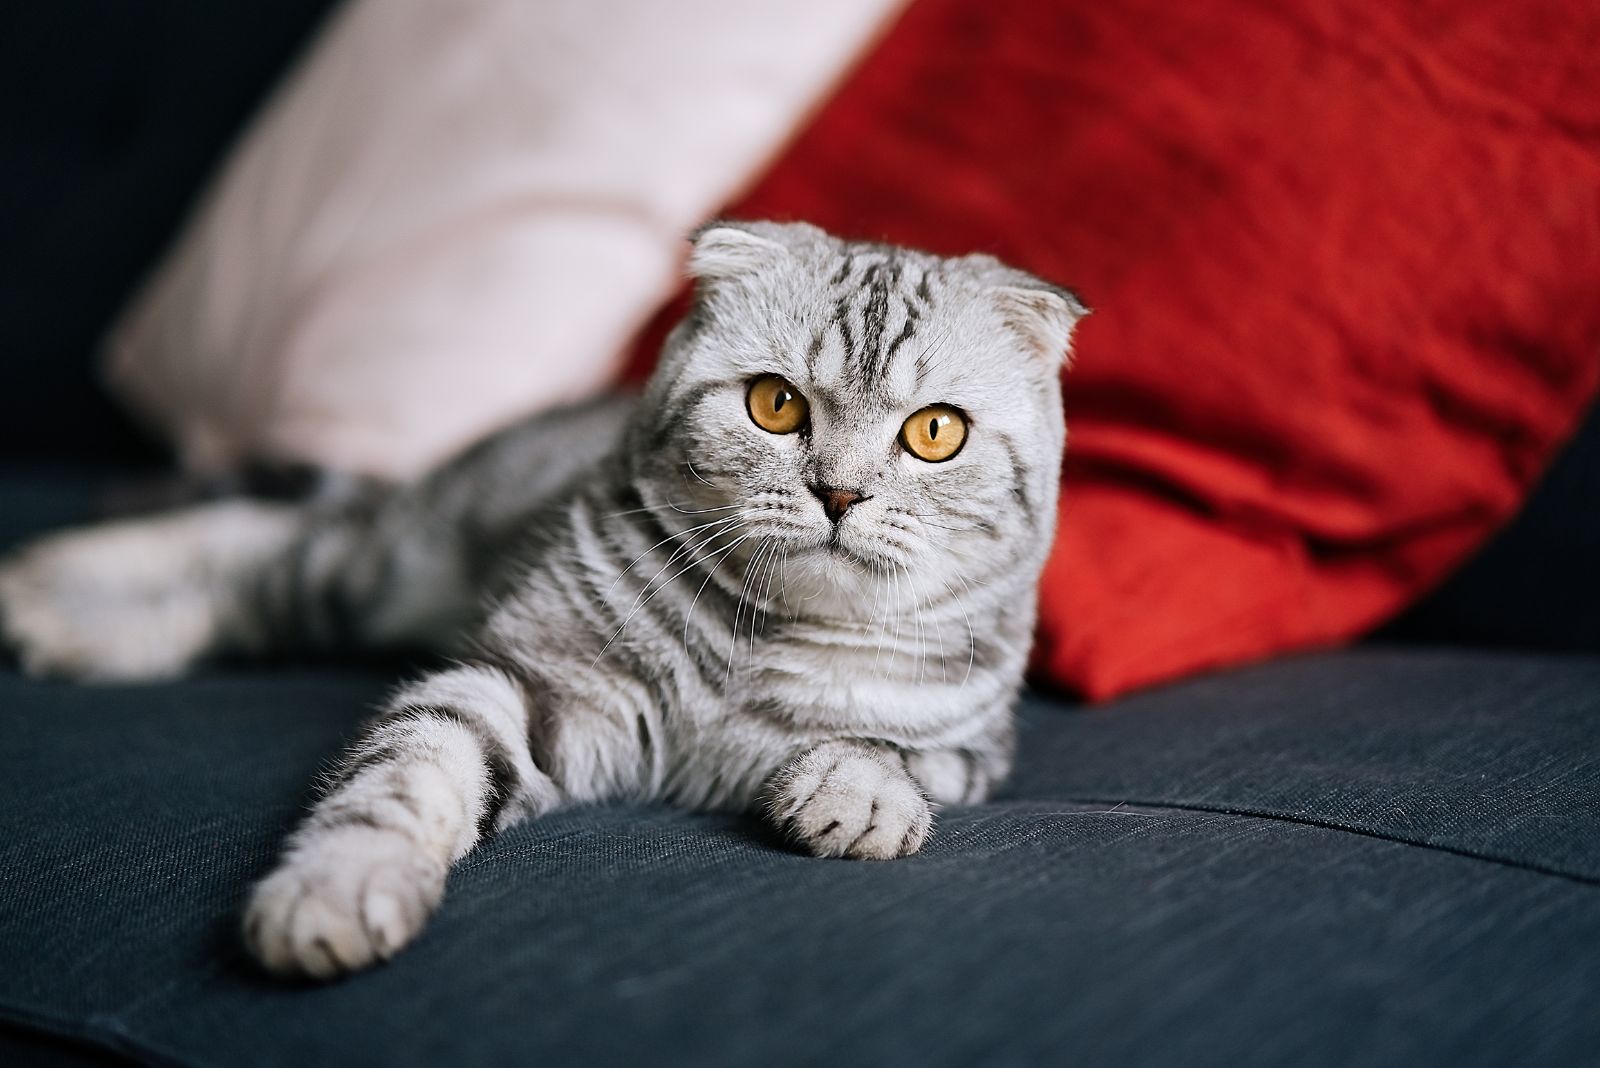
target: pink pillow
<point>454,214</point>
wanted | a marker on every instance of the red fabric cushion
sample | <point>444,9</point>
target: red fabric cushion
<point>1346,258</point>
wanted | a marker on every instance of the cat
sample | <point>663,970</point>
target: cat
<point>796,575</point>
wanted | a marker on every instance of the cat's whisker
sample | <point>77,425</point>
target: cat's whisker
<point>606,598</point>
<point>919,606</point>
<point>771,574</point>
<point>899,616</point>
<point>744,586</point>
<point>757,607</point>
<point>783,582</point>
<point>972,636</point>
<point>944,335</point>
<point>646,594</point>
<point>880,583</point>
<point>639,604</point>
<point>752,581</point>
<point>702,511</point>
<point>738,608</point>
<point>674,506</point>
<point>760,589</point>
<point>724,553</point>
<point>766,595</point>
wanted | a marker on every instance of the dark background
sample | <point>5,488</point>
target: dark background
<point>112,115</point>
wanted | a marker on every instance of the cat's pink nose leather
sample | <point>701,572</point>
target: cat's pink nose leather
<point>836,502</point>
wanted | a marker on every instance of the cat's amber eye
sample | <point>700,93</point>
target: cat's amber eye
<point>776,406</point>
<point>934,433</point>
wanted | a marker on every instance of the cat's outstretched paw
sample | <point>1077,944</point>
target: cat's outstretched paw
<point>346,901</point>
<point>848,799</point>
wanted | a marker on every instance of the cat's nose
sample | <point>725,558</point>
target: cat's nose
<point>836,502</point>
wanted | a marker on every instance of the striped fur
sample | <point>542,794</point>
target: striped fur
<point>644,598</point>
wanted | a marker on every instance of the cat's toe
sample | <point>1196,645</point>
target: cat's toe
<point>861,806</point>
<point>341,906</point>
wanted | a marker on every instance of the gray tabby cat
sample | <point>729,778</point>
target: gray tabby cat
<point>798,574</point>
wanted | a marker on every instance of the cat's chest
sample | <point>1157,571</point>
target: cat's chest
<point>856,681</point>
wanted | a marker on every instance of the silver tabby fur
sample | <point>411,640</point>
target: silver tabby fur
<point>644,596</point>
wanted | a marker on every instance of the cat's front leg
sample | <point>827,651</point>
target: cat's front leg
<point>849,798</point>
<point>446,764</point>
<point>959,776</point>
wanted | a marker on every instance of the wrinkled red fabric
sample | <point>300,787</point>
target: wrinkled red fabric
<point>1346,261</point>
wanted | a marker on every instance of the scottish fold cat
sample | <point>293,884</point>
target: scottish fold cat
<point>796,575</point>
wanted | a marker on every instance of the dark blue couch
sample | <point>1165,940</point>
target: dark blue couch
<point>1382,855</point>
<point>1385,855</point>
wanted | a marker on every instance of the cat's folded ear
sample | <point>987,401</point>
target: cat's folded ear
<point>1043,314</point>
<point>725,248</point>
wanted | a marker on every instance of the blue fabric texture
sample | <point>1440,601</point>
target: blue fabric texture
<point>1355,858</point>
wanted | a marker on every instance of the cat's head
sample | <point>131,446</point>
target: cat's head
<point>877,418</point>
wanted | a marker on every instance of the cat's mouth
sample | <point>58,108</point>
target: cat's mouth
<point>837,544</point>
<point>835,547</point>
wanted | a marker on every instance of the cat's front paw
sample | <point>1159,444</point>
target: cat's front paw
<point>346,901</point>
<point>847,799</point>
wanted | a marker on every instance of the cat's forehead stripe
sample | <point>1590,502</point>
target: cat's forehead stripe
<point>878,302</point>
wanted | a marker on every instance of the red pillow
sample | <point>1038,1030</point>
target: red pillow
<point>1346,258</point>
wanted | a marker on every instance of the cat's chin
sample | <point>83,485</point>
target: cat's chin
<point>847,557</point>
<point>835,580</point>
<point>837,556</point>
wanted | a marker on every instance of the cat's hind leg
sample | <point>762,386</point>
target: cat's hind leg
<point>137,599</point>
<point>447,763</point>
<point>144,599</point>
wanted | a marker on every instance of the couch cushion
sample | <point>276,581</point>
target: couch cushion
<point>1173,879</point>
<point>1487,755</point>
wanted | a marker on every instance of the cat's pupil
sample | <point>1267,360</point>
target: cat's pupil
<point>779,399</point>
<point>933,428</point>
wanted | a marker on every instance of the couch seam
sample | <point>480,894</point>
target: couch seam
<point>90,1033</point>
<point>1345,828</point>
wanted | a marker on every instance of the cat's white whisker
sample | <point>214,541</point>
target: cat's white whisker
<point>783,582</point>
<point>640,604</point>
<point>880,582</point>
<point>738,611</point>
<point>766,597</point>
<point>664,541</point>
<point>697,474</point>
<point>919,608</point>
<point>674,506</point>
<point>972,635</point>
<point>721,557</point>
